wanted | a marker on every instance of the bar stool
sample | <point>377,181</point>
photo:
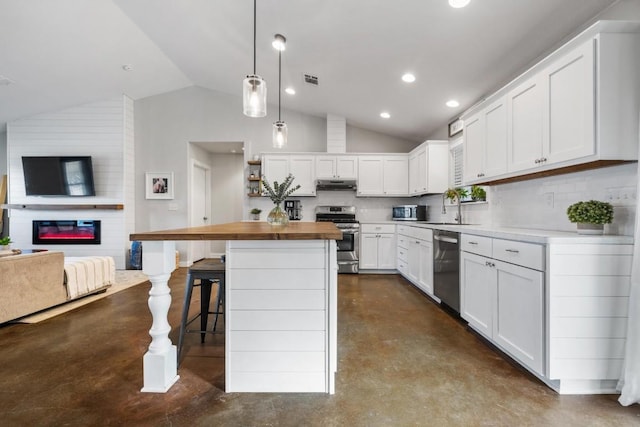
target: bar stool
<point>207,271</point>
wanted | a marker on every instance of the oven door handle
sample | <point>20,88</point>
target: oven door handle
<point>349,230</point>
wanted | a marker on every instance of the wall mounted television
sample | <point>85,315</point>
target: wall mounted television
<point>58,176</point>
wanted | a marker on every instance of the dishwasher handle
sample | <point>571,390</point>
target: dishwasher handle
<point>445,239</point>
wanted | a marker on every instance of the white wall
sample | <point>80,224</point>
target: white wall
<point>366,141</point>
<point>100,130</point>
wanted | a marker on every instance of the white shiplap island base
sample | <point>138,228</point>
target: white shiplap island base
<point>280,306</point>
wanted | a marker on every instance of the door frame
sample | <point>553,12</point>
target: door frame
<point>194,163</point>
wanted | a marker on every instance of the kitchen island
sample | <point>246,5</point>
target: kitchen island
<point>280,305</point>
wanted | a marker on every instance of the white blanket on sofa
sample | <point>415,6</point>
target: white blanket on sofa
<point>86,274</point>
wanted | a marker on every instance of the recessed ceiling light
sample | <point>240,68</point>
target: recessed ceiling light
<point>290,91</point>
<point>385,115</point>
<point>458,3</point>
<point>453,103</point>
<point>409,78</point>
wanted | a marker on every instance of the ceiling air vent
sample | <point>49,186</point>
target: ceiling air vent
<point>311,79</point>
<point>5,81</point>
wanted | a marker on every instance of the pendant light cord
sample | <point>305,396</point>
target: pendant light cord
<point>279,80</point>
<point>254,37</point>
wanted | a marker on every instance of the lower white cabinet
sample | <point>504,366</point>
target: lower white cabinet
<point>415,256</point>
<point>505,303</point>
<point>377,247</point>
<point>569,327</point>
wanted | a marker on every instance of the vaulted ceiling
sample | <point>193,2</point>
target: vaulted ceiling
<point>59,53</point>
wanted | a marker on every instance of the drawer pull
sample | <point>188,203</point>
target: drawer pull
<point>513,251</point>
<point>473,243</point>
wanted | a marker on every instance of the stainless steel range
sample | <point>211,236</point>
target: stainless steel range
<point>344,217</point>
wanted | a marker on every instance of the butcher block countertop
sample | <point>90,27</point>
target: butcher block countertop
<point>247,231</point>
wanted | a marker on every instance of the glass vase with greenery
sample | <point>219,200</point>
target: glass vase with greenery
<point>278,193</point>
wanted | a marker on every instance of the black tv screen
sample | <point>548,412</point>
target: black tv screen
<point>58,176</point>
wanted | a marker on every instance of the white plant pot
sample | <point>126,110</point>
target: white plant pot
<point>586,228</point>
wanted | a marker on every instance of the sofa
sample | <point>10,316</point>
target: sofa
<point>32,282</point>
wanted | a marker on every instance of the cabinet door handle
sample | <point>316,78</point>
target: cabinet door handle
<point>489,264</point>
<point>537,161</point>
<point>513,251</point>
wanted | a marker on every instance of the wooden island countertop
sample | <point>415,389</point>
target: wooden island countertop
<point>247,231</point>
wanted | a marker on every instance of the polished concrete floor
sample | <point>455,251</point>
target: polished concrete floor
<point>402,362</point>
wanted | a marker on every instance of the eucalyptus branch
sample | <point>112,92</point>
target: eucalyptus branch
<point>279,192</point>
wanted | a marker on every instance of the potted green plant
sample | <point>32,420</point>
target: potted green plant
<point>278,193</point>
<point>590,216</point>
<point>456,193</point>
<point>256,213</point>
<point>478,193</point>
<point>5,242</point>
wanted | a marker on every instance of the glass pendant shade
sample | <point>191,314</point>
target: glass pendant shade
<point>280,134</point>
<point>254,96</point>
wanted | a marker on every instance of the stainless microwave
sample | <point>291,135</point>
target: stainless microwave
<point>410,213</point>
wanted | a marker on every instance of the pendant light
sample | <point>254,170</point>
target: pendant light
<point>254,88</point>
<point>280,127</point>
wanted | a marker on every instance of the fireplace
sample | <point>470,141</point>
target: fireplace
<point>66,232</point>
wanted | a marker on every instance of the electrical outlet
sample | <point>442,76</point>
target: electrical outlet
<point>548,199</point>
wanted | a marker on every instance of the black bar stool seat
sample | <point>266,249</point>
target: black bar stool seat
<point>207,271</point>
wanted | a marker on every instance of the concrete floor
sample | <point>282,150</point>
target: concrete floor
<point>402,362</point>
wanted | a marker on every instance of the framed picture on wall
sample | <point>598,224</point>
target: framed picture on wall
<point>455,127</point>
<point>159,185</point>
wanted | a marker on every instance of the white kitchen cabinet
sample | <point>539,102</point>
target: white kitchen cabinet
<point>278,166</point>
<point>485,139</point>
<point>552,114</point>
<point>477,292</point>
<point>415,256</point>
<point>572,108</point>
<point>525,125</point>
<point>334,167</point>
<point>418,172</point>
<point>518,325</point>
<point>303,169</point>
<point>377,247</point>
<point>429,168</point>
<point>505,302</point>
<point>385,175</point>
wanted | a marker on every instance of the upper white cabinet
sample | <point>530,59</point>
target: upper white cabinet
<point>568,113</point>
<point>383,175</point>
<point>572,108</point>
<point>338,167</point>
<point>525,125</point>
<point>302,167</point>
<point>485,142</point>
<point>429,168</point>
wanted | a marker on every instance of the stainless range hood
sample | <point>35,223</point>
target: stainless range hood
<point>336,184</point>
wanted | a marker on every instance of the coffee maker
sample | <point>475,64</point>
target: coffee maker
<point>293,209</point>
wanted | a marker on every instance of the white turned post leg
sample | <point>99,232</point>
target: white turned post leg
<point>160,361</point>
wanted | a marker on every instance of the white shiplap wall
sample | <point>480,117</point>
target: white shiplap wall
<point>101,130</point>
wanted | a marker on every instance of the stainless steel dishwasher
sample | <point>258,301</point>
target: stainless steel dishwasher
<point>446,268</point>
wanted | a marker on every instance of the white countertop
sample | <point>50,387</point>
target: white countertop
<point>520,234</point>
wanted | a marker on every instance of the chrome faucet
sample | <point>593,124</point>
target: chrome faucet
<point>458,217</point>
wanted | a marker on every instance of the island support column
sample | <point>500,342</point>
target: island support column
<point>160,361</point>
